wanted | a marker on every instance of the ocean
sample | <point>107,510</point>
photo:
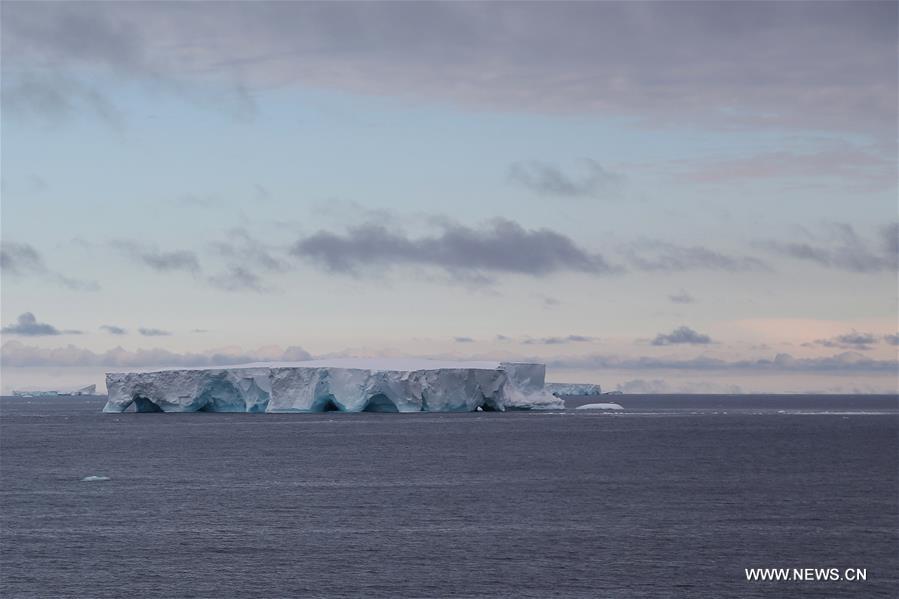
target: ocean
<point>676,496</point>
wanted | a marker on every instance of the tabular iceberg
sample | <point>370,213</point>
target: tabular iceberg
<point>347,385</point>
<point>559,389</point>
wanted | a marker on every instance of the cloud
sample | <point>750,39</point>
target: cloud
<point>737,65</point>
<point>558,340</point>
<point>843,249</point>
<point>839,363</point>
<point>853,340</point>
<point>159,260</point>
<point>866,168</point>
<point>242,248</point>
<point>548,180</point>
<point>681,297</point>
<point>463,339</point>
<point>662,256</point>
<point>238,278</point>
<point>148,332</point>
<point>54,96</point>
<point>682,335</point>
<point>28,326</point>
<point>550,302</point>
<point>892,339</point>
<point>659,386</point>
<point>113,329</point>
<point>15,353</point>
<point>22,260</point>
<point>499,246</point>
<point>247,257</point>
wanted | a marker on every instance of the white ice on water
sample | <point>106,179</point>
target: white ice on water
<point>600,406</point>
<point>346,384</point>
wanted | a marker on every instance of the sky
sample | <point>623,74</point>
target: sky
<point>652,196</point>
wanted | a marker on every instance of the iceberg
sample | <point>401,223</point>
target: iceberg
<point>345,385</point>
<point>559,389</point>
<point>88,390</point>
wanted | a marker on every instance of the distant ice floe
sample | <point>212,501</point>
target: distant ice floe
<point>600,406</point>
<point>344,385</point>
<point>559,389</point>
<point>94,479</point>
<point>88,390</point>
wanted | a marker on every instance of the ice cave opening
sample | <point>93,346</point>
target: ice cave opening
<point>380,403</point>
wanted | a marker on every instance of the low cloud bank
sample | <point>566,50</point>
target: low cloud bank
<point>842,362</point>
<point>15,353</point>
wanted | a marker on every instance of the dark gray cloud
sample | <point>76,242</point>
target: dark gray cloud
<point>663,256</point>
<point>243,249</point>
<point>22,260</point>
<point>238,278</point>
<point>159,260</point>
<point>15,353</point>
<point>113,329</point>
<point>842,248</point>
<point>500,246</point>
<point>892,339</point>
<point>558,340</point>
<point>852,340</point>
<point>681,297</point>
<point>27,326</point>
<point>463,339</point>
<point>247,258</point>
<point>549,180</point>
<point>682,335</point>
<point>503,338</point>
<point>54,96</point>
<point>820,65</point>
<point>551,302</point>
<point>149,332</point>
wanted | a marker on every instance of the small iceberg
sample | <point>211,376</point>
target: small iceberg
<point>600,406</point>
<point>93,479</point>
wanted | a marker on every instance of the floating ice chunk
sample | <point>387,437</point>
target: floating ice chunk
<point>600,406</point>
<point>94,479</point>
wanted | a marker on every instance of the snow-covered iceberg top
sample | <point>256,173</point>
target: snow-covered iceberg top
<point>344,384</point>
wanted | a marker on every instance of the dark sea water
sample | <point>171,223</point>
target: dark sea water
<point>675,497</point>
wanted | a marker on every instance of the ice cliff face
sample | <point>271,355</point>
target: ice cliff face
<point>343,385</point>
<point>559,389</point>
